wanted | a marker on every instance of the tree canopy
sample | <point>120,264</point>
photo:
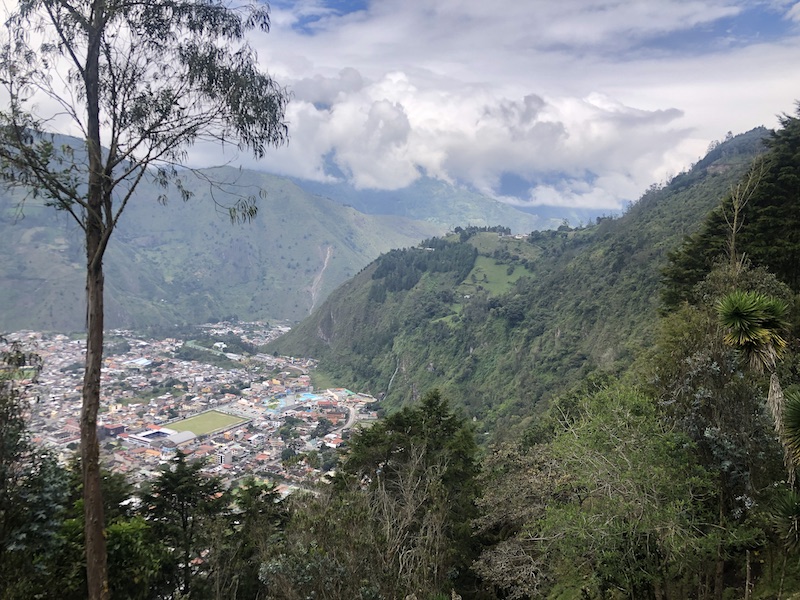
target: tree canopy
<point>769,226</point>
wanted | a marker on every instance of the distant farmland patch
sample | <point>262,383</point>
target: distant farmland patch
<point>206,422</point>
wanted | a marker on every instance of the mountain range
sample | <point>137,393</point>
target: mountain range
<point>185,263</point>
<point>500,322</point>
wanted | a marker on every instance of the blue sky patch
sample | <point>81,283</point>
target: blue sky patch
<point>308,19</point>
<point>754,25</point>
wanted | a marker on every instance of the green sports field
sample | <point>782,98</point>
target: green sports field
<point>206,422</point>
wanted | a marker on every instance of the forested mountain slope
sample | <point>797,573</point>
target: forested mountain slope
<point>766,210</point>
<point>499,322</point>
<point>184,262</point>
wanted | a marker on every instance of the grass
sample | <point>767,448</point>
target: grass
<point>492,277</point>
<point>322,380</point>
<point>206,422</point>
<point>487,243</point>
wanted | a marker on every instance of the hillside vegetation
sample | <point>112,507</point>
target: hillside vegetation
<point>184,262</point>
<point>500,322</point>
<point>637,381</point>
<point>651,449</point>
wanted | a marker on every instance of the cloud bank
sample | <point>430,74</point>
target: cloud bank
<point>573,103</point>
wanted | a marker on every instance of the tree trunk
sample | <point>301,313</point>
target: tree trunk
<point>783,574</point>
<point>94,527</point>
<point>748,583</point>
<point>96,568</point>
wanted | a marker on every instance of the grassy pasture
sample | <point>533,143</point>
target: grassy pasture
<point>492,277</point>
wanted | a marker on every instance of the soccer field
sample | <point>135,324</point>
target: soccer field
<point>206,422</point>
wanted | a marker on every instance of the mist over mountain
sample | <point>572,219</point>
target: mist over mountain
<point>433,200</point>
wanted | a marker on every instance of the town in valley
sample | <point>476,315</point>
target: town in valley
<point>241,413</point>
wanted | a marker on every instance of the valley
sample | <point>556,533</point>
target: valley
<point>449,301</point>
<point>603,391</point>
<point>183,262</point>
<point>241,415</point>
<point>502,322</point>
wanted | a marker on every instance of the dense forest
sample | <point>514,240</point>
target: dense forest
<point>596,412</point>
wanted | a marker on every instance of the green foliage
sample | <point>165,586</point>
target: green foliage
<point>770,236</point>
<point>662,492</point>
<point>771,220</point>
<point>402,269</point>
<point>32,486</point>
<point>712,396</point>
<point>233,343</point>
<point>133,559</point>
<point>187,352</point>
<point>180,507</point>
<point>323,428</point>
<point>755,324</point>
<point>327,551</point>
<point>577,301</point>
<point>605,505</point>
<point>239,541</point>
<point>396,520</point>
<point>786,518</point>
<point>432,446</point>
<point>791,423</point>
<point>629,520</point>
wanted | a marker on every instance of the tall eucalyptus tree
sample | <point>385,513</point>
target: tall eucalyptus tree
<point>141,82</point>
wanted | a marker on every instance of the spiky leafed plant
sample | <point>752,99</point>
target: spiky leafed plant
<point>786,518</point>
<point>786,506</point>
<point>755,324</point>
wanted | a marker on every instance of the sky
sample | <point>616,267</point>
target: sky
<point>580,103</point>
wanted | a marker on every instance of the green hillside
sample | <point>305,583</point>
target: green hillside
<point>649,463</point>
<point>186,263</point>
<point>499,323</point>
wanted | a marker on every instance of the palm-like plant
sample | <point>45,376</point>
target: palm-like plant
<point>755,324</point>
<point>786,517</point>
<point>786,507</point>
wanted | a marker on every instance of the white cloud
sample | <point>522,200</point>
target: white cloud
<point>793,14</point>
<point>593,100</point>
<point>590,101</point>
